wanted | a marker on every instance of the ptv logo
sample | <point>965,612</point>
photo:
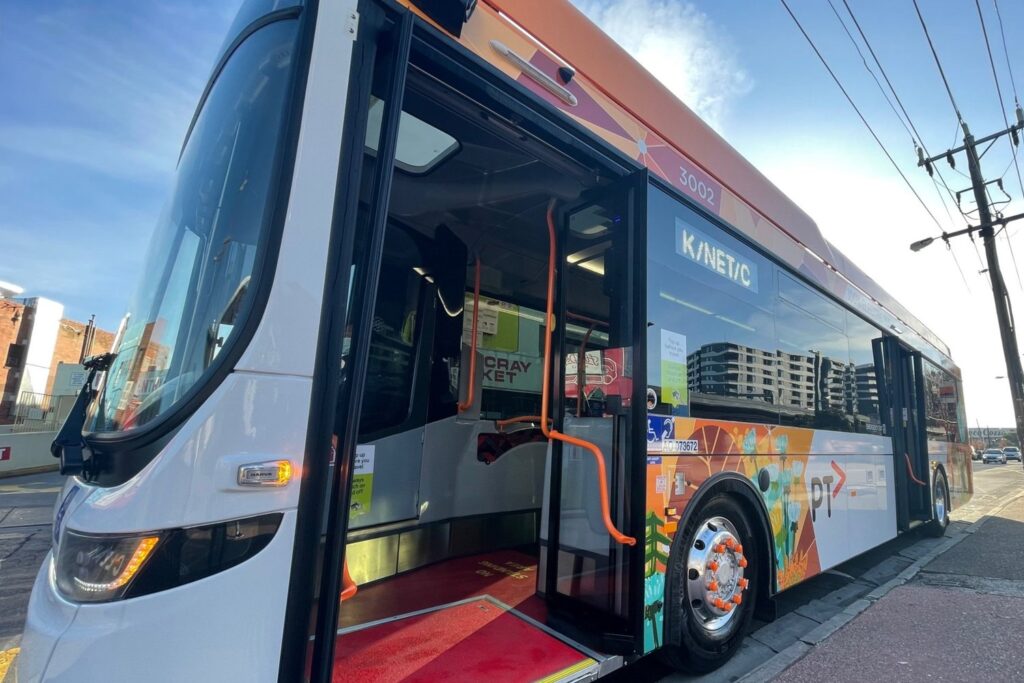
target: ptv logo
<point>822,491</point>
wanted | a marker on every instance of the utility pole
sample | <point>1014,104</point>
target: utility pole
<point>987,230</point>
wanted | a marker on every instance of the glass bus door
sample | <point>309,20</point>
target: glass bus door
<point>586,570</point>
<point>904,381</point>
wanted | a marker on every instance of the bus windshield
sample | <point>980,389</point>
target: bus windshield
<point>195,285</point>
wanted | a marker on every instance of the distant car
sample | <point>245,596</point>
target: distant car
<point>993,455</point>
<point>1012,453</point>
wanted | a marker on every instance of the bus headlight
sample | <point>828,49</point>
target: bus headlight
<point>100,568</point>
<point>106,567</point>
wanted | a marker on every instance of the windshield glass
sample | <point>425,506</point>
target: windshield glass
<point>195,286</point>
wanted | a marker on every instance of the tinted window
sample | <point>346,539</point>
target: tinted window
<point>710,331</point>
<point>393,338</point>
<point>864,411</point>
<point>815,374</point>
<point>942,405</point>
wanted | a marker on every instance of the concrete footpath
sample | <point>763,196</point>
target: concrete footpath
<point>26,510</point>
<point>955,615</point>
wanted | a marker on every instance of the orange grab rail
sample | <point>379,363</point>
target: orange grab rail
<point>501,424</point>
<point>468,403</point>
<point>554,434</point>
<point>910,471</point>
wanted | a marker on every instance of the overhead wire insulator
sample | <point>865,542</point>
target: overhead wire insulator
<point>951,160</point>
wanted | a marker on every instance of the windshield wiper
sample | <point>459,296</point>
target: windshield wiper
<point>69,445</point>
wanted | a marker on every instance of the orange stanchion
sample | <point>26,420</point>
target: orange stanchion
<point>910,471</point>
<point>468,403</point>
<point>348,586</point>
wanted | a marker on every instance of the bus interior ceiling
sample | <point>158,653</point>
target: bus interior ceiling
<point>453,513</point>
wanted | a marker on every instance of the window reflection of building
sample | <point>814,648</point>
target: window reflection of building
<point>800,386</point>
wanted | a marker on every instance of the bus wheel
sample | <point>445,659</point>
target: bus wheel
<point>712,586</point>
<point>940,506</point>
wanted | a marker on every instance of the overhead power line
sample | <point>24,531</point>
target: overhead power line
<point>938,63</point>
<point>1006,122</point>
<point>915,135</point>
<point>1006,53</point>
<point>999,94</point>
<point>859,114</point>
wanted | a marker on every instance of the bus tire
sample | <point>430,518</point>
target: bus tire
<point>940,506</point>
<point>717,550</point>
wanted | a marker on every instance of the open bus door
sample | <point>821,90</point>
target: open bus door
<point>903,382</point>
<point>591,557</point>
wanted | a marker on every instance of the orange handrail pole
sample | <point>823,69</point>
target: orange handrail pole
<point>910,471</point>
<point>348,586</point>
<point>468,403</point>
<point>554,434</point>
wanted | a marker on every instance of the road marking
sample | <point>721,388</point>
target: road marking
<point>6,659</point>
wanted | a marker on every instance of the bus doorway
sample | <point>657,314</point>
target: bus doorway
<point>503,313</point>
<point>904,380</point>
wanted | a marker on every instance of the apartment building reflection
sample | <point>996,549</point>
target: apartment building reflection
<point>811,389</point>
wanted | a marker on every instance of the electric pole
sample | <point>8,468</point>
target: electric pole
<point>987,230</point>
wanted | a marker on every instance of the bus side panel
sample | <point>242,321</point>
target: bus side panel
<point>829,495</point>
<point>955,459</point>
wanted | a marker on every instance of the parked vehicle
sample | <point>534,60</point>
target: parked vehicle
<point>1012,453</point>
<point>993,455</point>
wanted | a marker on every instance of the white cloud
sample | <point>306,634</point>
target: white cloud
<point>681,46</point>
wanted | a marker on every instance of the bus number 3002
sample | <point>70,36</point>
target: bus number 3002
<point>696,186</point>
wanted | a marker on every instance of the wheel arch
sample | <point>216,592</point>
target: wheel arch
<point>749,498</point>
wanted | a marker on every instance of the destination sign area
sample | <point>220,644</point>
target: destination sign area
<point>710,253</point>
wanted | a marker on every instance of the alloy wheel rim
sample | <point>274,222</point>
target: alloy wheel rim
<point>715,569</point>
<point>940,500</point>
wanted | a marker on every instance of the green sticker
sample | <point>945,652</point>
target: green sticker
<point>673,368</point>
<point>362,482</point>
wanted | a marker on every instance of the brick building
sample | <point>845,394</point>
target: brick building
<point>35,338</point>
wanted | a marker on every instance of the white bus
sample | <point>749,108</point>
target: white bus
<point>463,350</point>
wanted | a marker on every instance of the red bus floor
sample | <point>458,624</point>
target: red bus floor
<point>508,576</point>
<point>451,622</point>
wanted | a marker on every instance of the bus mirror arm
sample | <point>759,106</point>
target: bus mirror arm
<point>69,445</point>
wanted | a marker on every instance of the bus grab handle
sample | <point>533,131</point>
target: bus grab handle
<point>910,471</point>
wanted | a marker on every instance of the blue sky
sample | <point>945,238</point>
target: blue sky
<point>101,93</point>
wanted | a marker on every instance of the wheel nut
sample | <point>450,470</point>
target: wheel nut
<point>737,598</point>
<point>719,548</point>
<point>713,566</point>
<point>743,583</point>
<point>743,562</point>
<point>713,586</point>
<point>730,543</point>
